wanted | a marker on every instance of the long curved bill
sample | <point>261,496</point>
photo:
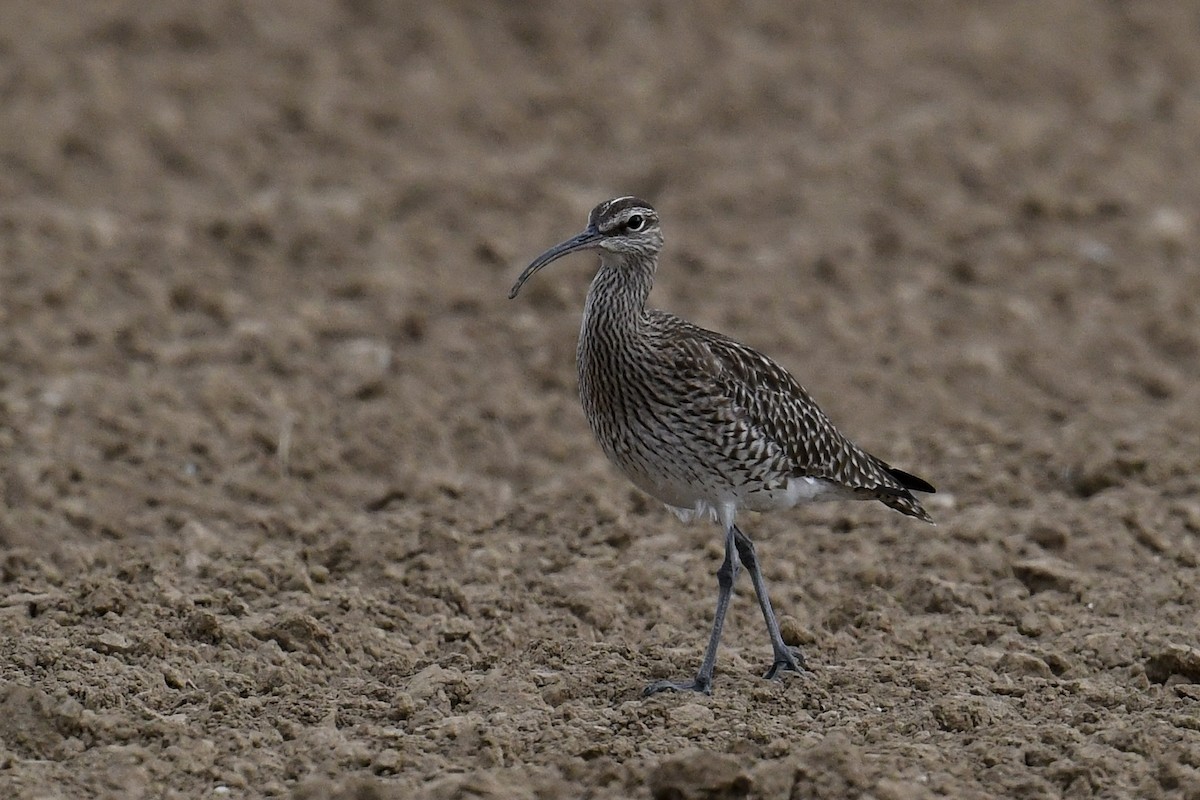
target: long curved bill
<point>583,241</point>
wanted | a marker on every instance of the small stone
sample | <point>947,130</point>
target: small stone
<point>403,706</point>
<point>794,634</point>
<point>173,678</point>
<point>362,366</point>
<point>1170,227</point>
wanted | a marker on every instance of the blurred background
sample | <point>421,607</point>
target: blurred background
<point>284,470</point>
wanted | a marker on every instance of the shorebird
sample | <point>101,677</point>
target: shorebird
<point>704,424</point>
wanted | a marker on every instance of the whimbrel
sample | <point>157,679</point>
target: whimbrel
<point>706,425</point>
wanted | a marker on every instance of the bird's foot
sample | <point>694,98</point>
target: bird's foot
<point>697,684</point>
<point>790,660</point>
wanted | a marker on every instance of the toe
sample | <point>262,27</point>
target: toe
<point>677,686</point>
<point>792,662</point>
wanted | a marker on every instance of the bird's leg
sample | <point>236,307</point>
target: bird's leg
<point>786,658</point>
<point>726,575</point>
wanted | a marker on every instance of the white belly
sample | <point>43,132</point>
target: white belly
<point>723,510</point>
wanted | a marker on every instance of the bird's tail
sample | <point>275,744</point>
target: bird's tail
<point>910,481</point>
<point>901,497</point>
<point>904,502</point>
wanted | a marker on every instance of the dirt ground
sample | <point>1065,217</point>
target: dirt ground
<point>296,503</point>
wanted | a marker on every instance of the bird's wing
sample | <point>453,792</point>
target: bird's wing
<point>770,408</point>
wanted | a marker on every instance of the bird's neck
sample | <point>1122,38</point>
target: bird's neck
<point>617,296</point>
<point>613,336</point>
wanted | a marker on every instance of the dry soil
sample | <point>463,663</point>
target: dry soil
<point>296,503</point>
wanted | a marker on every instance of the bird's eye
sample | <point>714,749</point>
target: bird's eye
<point>635,223</point>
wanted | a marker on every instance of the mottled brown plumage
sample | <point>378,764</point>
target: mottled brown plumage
<point>705,424</point>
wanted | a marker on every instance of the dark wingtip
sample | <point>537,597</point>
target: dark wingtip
<point>900,499</point>
<point>911,482</point>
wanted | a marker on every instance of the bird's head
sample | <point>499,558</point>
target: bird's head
<point>625,228</point>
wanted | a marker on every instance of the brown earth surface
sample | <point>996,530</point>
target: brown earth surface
<point>297,503</point>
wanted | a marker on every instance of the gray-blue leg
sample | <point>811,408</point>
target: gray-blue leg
<point>726,575</point>
<point>786,658</point>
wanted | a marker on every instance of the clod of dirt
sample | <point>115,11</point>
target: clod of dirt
<point>105,598</point>
<point>1102,473</point>
<point>1174,663</point>
<point>1046,575</point>
<point>32,724</point>
<point>517,784</point>
<point>362,367</point>
<point>699,775</point>
<point>1050,536</point>
<point>962,713</point>
<point>934,595</point>
<point>204,626</point>
<point>297,633</point>
<point>832,767</point>
<point>1015,663</point>
<point>356,789</point>
<point>691,718</point>
<point>111,643</point>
